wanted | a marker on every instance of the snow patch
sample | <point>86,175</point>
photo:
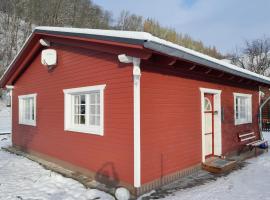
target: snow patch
<point>21,178</point>
<point>251,182</point>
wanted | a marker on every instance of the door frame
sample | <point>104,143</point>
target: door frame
<point>217,121</point>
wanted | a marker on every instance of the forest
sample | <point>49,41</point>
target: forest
<point>19,17</point>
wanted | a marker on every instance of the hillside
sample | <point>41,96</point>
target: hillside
<point>18,18</point>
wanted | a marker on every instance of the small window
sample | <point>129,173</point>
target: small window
<point>207,104</point>
<point>84,109</point>
<point>242,108</point>
<point>27,109</point>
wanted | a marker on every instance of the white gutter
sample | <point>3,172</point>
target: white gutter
<point>136,115</point>
<point>154,43</point>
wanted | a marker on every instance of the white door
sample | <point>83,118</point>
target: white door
<point>208,120</point>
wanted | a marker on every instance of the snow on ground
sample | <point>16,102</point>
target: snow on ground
<point>22,179</point>
<point>251,182</point>
<point>5,118</point>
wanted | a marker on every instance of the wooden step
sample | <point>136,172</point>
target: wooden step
<point>219,165</point>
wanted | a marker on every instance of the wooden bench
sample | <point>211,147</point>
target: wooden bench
<point>249,139</point>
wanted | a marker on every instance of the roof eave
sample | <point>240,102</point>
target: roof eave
<point>93,36</point>
<point>193,58</point>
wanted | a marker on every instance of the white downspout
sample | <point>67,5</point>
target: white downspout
<point>136,115</point>
<point>137,122</point>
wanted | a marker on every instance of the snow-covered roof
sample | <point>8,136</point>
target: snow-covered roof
<point>151,42</point>
<point>154,43</point>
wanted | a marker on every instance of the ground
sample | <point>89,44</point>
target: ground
<point>5,119</point>
<point>22,179</point>
<point>250,182</point>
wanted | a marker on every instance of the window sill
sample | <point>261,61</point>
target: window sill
<point>242,123</point>
<point>85,130</point>
<point>28,123</point>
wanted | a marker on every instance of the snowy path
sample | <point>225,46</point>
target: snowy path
<point>22,179</point>
<point>251,182</point>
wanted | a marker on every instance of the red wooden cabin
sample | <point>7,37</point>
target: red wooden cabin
<point>136,108</point>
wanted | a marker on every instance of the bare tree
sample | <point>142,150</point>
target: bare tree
<point>19,17</point>
<point>130,22</point>
<point>255,56</point>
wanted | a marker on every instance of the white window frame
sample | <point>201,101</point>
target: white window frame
<point>21,109</point>
<point>68,122</point>
<point>248,107</point>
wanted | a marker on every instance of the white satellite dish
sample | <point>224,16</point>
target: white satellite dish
<point>49,57</point>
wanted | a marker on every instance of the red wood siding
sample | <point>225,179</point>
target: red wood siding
<point>170,114</point>
<point>171,119</point>
<point>79,68</point>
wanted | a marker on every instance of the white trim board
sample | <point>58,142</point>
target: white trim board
<point>248,120</point>
<point>22,120</point>
<point>86,128</point>
<point>217,121</point>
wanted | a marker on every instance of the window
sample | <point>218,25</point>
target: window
<point>207,104</point>
<point>27,109</point>
<point>242,108</point>
<point>84,109</point>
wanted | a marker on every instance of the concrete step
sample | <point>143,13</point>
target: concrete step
<point>218,165</point>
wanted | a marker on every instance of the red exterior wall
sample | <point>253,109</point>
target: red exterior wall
<point>170,114</point>
<point>171,119</point>
<point>78,68</point>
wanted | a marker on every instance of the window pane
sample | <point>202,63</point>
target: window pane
<point>237,107</point>
<point>82,109</point>
<point>207,104</point>
<point>92,98</point>
<point>27,109</point>
<point>243,108</point>
<point>98,97</point>
<point>98,109</point>
<point>92,120</point>
<point>76,110</point>
<point>24,109</point>
<point>98,120</point>
<point>94,112</point>
<point>76,119</point>
<point>79,109</point>
<point>33,109</point>
<point>85,110</point>
<point>82,99</point>
<point>76,99</point>
<point>243,111</point>
<point>82,119</point>
<point>92,109</point>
